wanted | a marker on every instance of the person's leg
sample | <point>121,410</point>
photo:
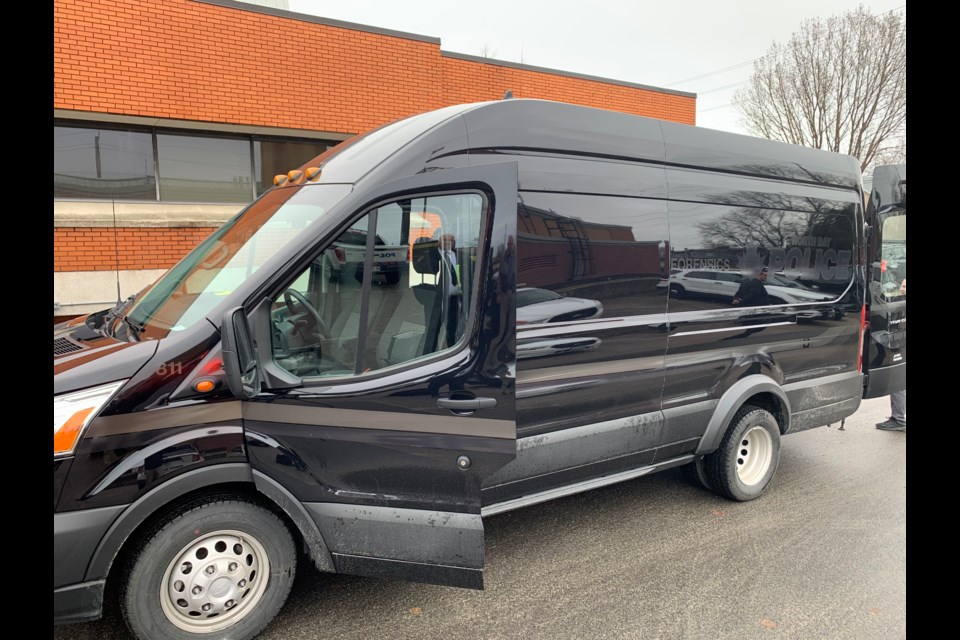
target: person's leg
<point>898,409</point>
<point>898,406</point>
<point>453,314</point>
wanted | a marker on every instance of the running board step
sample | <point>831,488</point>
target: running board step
<point>580,487</point>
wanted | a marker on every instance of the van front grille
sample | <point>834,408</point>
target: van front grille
<point>63,346</point>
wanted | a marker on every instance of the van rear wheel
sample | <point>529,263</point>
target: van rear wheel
<point>217,567</point>
<point>742,467</point>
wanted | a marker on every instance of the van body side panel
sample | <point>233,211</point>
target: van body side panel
<point>823,400</point>
<point>566,456</point>
<point>403,467</point>
<point>618,375</point>
<point>592,324</point>
<point>125,457</point>
<point>804,328</point>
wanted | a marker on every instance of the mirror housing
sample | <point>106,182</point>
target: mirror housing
<point>239,356</point>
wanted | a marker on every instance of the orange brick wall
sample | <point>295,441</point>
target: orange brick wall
<point>193,61</point>
<point>93,248</point>
<point>468,81</point>
<point>188,60</point>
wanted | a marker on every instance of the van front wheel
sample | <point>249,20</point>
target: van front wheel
<point>742,467</point>
<point>218,567</point>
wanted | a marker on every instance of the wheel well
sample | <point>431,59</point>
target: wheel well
<point>243,490</point>
<point>770,402</point>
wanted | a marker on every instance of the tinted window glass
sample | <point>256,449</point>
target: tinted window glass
<point>205,276</point>
<point>605,254</point>
<point>423,280</point>
<point>101,163</point>
<point>893,257</point>
<point>759,256</point>
<point>195,169</point>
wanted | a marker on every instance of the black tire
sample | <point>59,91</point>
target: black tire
<point>742,467</point>
<point>227,538</point>
<point>696,474</point>
<point>678,291</point>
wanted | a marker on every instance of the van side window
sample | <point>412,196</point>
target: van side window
<point>422,276</point>
<point>893,257</point>
<point>722,256</point>
<point>587,257</point>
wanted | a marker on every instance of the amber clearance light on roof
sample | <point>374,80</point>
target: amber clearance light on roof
<point>312,174</point>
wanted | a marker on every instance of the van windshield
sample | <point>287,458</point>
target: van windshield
<point>201,280</point>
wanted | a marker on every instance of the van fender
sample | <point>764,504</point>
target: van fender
<point>151,502</point>
<point>731,401</point>
<point>234,472</point>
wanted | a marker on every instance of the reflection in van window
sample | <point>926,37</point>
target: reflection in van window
<point>604,254</point>
<point>202,279</point>
<point>749,256</point>
<point>893,256</point>
<point>423,280</point>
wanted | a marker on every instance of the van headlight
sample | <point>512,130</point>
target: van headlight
<point>72,412</point>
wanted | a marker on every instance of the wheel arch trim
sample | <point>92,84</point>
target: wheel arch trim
<point>731,402</point>
<point>137,512</point>
<point>316,546</point>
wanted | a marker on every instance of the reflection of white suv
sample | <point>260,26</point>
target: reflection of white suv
<point>723,285</point>
<point>540,305</point>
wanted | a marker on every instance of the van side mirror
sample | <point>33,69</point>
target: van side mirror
<point>239,356</point>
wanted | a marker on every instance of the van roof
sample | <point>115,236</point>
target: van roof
<point>546,127</point>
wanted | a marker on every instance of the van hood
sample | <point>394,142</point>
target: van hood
<point>84,357</point>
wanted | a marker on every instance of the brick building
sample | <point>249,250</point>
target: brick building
<point>170,116</point>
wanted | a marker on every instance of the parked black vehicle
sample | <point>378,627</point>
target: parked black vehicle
<point>253,403</point>
<point>885,341</point>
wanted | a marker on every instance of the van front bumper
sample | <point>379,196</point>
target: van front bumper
<point>76,535</point>
<point>78,602</point>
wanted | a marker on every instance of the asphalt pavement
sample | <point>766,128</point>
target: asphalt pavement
<point>822,554</point>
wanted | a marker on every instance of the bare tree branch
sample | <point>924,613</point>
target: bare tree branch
<point>839,84</point>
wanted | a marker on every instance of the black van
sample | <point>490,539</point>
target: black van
<point>885,339</point>
<point>271,394</point>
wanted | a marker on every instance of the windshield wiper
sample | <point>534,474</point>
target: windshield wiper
<point>135,327</point>
<point>114,313</point>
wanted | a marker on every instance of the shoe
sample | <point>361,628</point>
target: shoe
<point>891,425</point>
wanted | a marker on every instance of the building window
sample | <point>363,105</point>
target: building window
<point>102,163</point>
<point>125,164</point>
<point>272,157</point>
<point>195,169</point>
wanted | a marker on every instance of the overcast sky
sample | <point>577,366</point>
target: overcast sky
<point>701,46</point>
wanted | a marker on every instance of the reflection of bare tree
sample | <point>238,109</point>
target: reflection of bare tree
<point>768,219</point>
<point>742,227</point>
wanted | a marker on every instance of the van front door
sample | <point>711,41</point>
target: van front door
<point>395,340</point>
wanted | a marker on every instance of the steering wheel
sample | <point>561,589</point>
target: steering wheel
<point>288,299</point>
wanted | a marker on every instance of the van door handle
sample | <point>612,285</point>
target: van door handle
<point>470,404</point>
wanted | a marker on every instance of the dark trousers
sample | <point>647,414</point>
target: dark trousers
<point>453,319</point>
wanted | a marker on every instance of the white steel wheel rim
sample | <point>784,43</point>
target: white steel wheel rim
<point>214,581</point>
<point>754,455</point>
